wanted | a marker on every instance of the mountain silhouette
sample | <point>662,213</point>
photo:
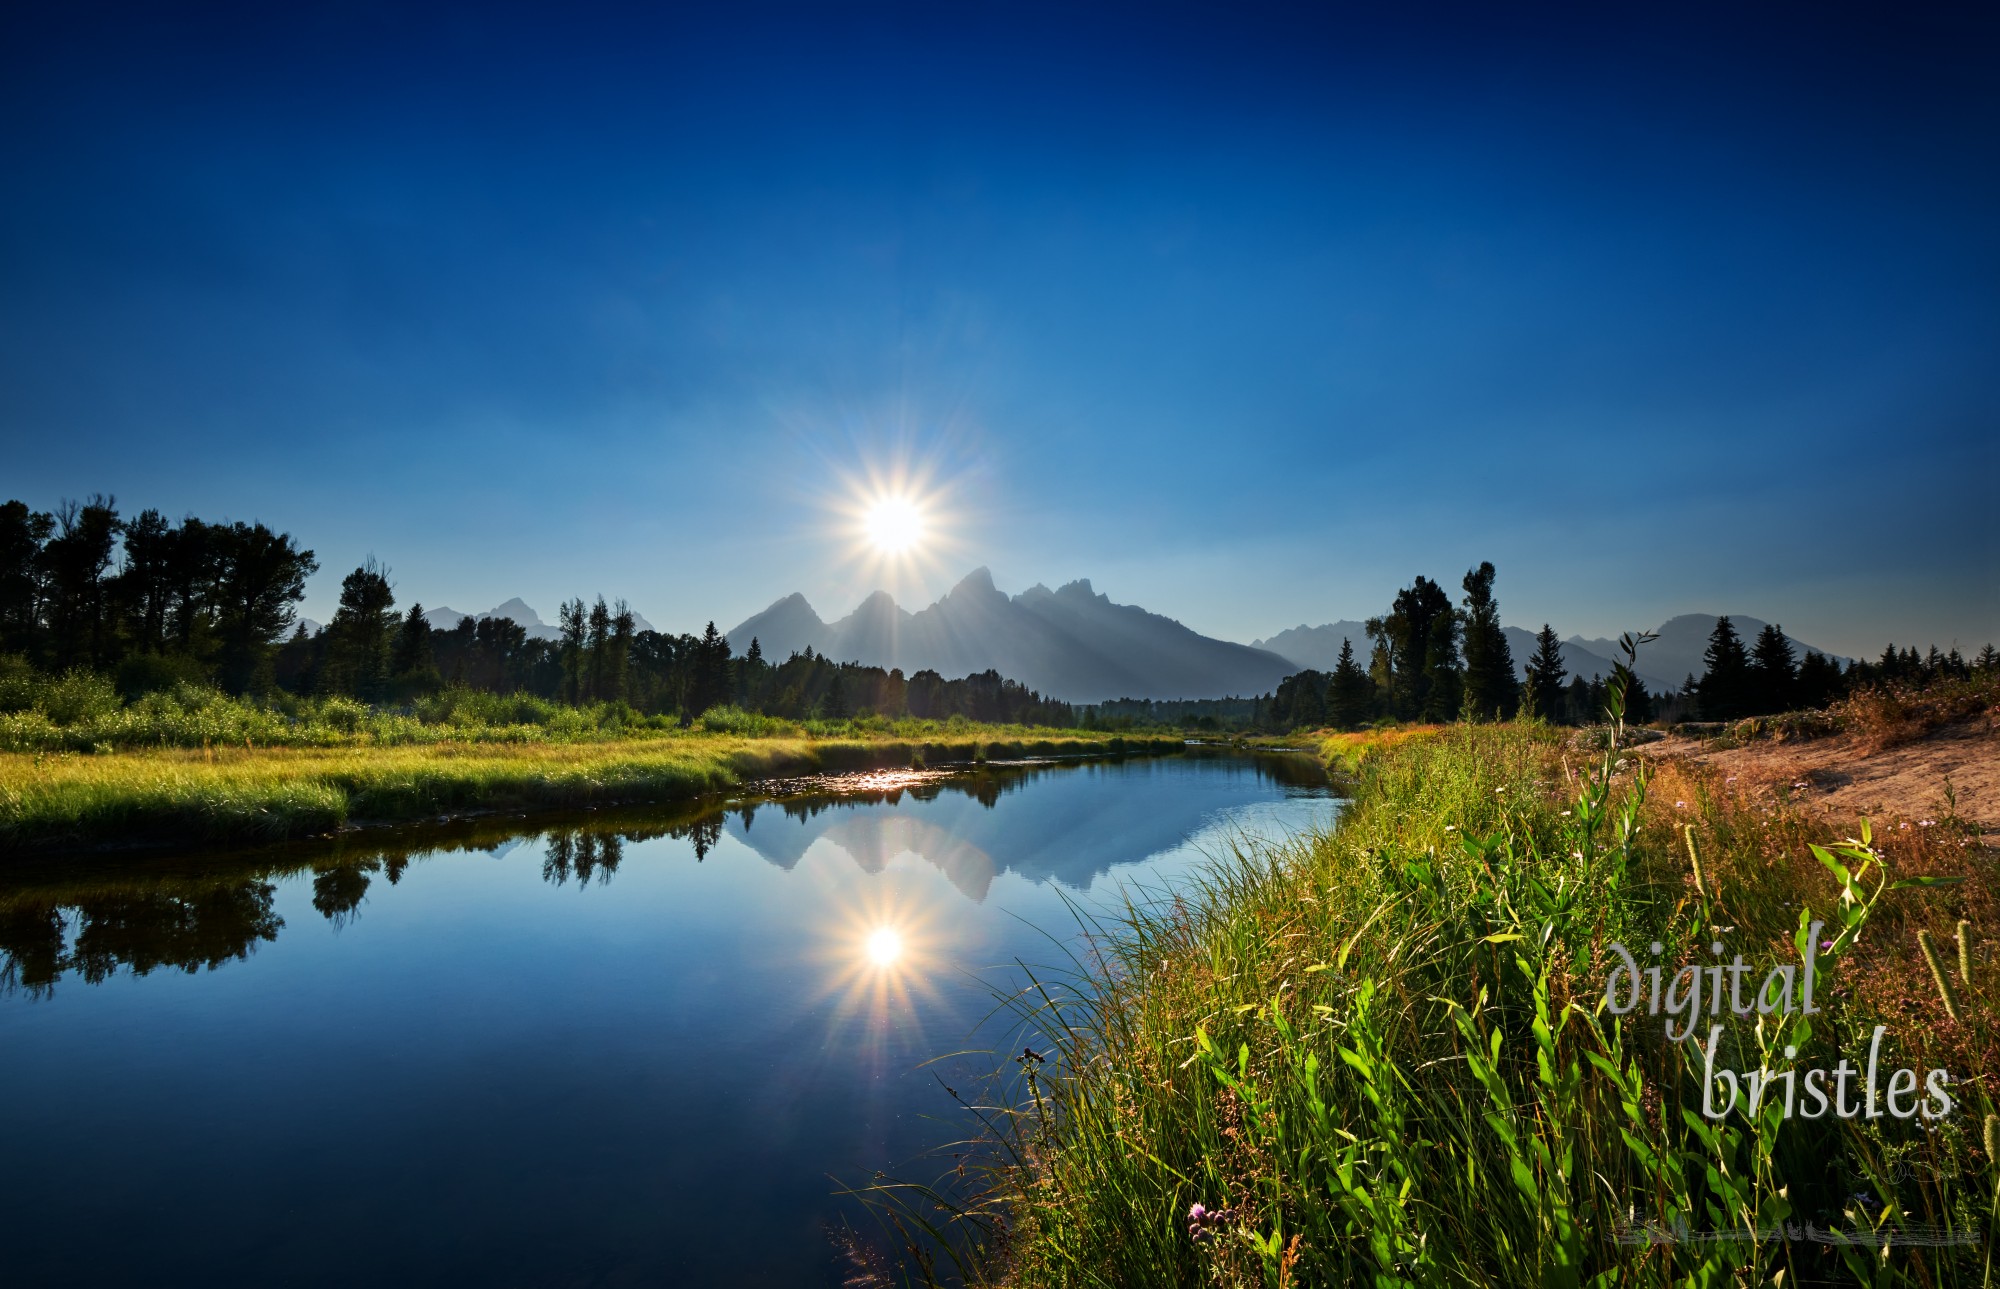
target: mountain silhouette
<point>444,618</point>
<point>1071,643</point>
<point>1663,663</point>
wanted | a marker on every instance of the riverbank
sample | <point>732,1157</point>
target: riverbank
<point>180,797</point>
<point>1376,1055</point>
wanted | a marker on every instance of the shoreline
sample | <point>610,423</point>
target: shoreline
<point>177,800</point>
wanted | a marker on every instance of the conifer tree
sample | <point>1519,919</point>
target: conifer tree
<point>358,638</point>
<point>1492,692</point>
<point>570,621</point>
<point>619,650</point>
<point>1725,684</point>
<point>1350,693</point>
<point>1544,690</point>
<point>1819,680</point>
<point>413,645</point>
<point>1774,674</point>
<point>597,647</point>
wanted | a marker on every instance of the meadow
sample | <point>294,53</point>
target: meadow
<point>1383,1054</point>
<point>80,767</point>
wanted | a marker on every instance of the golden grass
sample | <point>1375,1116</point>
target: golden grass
<point>241,794</point>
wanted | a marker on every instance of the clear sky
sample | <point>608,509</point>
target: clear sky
<point>1246,316</point>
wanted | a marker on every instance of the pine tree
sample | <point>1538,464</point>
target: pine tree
<point>1640,709</point>
<point>1544,690</point>
<point>1725,684</point>
<point>709,683</point>
<point>1774,674</point>
<point>413,645</point>
<point>1819,681</point>
<point>1350,694</point>
<point>358,638</point>
<point>1492,691</point>
<point>624,629</point>
<point>597,648</point>
<point>571,622</point>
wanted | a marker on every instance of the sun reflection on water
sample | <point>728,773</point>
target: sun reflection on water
<point>885,946</point>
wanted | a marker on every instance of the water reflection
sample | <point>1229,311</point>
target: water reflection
<point>619,1047</point>
<point>145,915</point>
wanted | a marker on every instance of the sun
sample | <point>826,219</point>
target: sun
<point>894,524</point>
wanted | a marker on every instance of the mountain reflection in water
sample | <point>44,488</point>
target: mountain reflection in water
<point>176,913</point>
<point>619,1047</point>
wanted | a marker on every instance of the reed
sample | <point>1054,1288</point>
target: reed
<point>1379,1055</point>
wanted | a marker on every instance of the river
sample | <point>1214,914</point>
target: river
<point>623,1048</point>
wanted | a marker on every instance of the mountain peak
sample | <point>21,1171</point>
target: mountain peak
<point>979,582</point>
<point>522,615</point>
<point>1072,644</point>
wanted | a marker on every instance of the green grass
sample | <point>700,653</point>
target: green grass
<point>261,793</point>
<point>83,712</point>
<point>1378,1053</point>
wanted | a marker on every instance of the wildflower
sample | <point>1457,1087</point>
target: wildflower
<point>1825,946</point>
<point>1680,805</point>
<point>1730,779</point>
<point>1451,827</point>
<point>1926,823</point>
<point>1201,1218</point>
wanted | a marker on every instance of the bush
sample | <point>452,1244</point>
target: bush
<point>147,673</point>
<point>76,697</point>
<point>18,682</point>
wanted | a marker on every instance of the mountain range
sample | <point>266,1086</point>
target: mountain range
<point>447,619</point>
<point>1074,644</point>
<point>1071,643</point>
<point>1663,663</point>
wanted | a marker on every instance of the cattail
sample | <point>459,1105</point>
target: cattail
<point>1965,953</point>
<point>1937,974</point>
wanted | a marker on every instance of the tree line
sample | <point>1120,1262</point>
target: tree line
<point>153,602</point>
<point>1767,676</point>
<point>1430,660</point>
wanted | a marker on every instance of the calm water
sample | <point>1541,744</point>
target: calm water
<point>631,1049</point>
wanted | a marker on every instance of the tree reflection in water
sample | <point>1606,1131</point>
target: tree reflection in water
<point>94,919</point>
<point>185,925</point>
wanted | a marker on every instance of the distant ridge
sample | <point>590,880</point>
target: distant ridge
<point>1319,648</point>
<point>1663,663</point>
<point>447,619</point>
<point>1071,643</point>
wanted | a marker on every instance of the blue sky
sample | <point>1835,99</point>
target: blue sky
<point>1248,317</point>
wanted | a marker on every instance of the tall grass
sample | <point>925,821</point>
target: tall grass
<point>1379,1055</point>
<point>234,793</point>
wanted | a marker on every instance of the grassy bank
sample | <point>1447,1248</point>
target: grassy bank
<point>1380,1055</point>
<point>248,793</point>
